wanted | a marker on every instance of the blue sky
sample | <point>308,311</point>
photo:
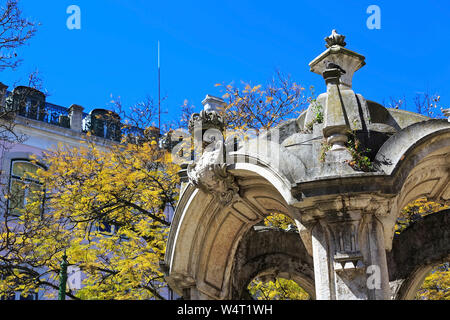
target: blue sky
<point>206,42</point>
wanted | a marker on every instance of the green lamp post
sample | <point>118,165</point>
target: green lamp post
<point>63,278</point>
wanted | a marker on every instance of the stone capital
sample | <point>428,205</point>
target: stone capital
<point>75,108</point>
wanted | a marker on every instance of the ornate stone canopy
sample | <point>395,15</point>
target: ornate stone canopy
<point>345,213</point>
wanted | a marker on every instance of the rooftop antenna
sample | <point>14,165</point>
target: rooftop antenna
<point>159,90</point>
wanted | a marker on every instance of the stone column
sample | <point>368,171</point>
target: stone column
<point>76,117</point>
<point>336,125</point>
<point>349,256</point>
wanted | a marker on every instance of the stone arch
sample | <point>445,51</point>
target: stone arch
<point>405,148</point>
<point>430,179</point>
<point>429,171</point>
<point>416,250</point>
<point>271,252</point>
<point>206,232</point>
<point>417,161</point>
<point>279,167</point>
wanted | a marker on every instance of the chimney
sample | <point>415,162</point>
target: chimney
<point>76,117</point>
<point>3,88</point>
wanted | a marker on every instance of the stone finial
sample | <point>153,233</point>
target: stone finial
<point>446,113</point>
<point>335,39</point>
<point>337,55</point>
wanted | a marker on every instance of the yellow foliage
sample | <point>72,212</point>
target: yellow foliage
<point>280,289</point>
<point>263,106</point>
<point>436,285</point>
<point>416,210</point>
<point>89,189</point>
<point>278,220</point>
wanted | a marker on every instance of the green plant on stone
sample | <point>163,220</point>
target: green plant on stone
<point>308,127</point>
<point>360,160</point>
<point>318,118</point>
<point>325,147</point>
<point>319,114</point>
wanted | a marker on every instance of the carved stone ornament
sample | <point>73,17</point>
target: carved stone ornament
<point>206,120</point>
<point>347,254</point>
<point>210,174</point>
<point>335,39</point>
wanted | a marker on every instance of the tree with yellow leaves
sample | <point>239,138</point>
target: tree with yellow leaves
<point>262,107</point>
<point>105,208</point>
<point>277,289</point>
<point>436,285</point>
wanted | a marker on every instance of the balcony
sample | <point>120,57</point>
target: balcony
<point>30,103</point>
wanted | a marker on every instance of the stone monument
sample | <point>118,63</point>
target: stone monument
<point>343,178</point>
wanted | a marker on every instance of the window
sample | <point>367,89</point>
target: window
<point>105,228</point>
<point>22,186</point>
<point>18,296</point>
<point>31,296</point>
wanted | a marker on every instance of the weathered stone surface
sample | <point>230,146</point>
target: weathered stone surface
<point>211,175</point>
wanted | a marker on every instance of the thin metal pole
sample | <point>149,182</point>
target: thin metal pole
<point>159,89</point>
